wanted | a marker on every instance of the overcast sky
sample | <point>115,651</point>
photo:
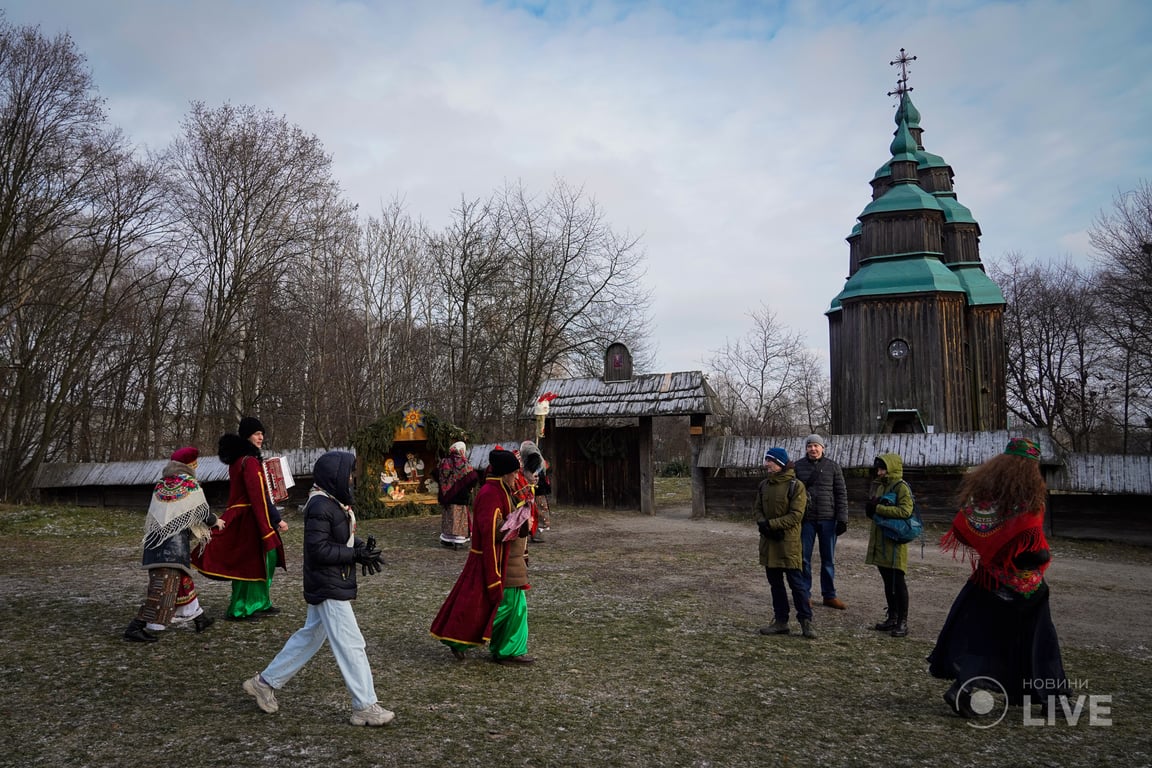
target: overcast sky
<point>736,138</point>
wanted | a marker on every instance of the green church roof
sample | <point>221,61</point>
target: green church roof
<point>979,287</point>
<point>902,197</point>
<point>899,274</point>
<point>954,211</point>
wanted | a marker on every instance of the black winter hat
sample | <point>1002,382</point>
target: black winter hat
<point>502,462</point>
<point>249,425</point>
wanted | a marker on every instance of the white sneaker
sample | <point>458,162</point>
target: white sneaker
<point>372,715</point>
<point>264,694</point>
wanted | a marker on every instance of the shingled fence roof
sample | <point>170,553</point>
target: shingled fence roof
<point>652,394</point>
<point>209,469</point>
<point>1065,472</point>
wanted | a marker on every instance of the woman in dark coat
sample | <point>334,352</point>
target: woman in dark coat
<point>999,633</point>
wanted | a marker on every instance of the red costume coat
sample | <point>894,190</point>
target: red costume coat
<point>467,614</point>
<point>238,552</point>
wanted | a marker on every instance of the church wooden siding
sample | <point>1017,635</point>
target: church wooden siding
<point>989,396</point>
<point>930,379</point>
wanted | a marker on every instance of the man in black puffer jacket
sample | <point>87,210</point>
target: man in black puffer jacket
<point>826,517</point>
<point>331,553</point>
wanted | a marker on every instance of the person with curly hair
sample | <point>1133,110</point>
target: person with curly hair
<point>1000,627</point>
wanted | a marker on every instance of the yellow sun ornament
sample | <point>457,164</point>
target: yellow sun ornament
<point>413,420</point>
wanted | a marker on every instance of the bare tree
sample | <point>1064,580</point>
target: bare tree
<point>249,191</point>
<point>576,284</point>
<point>76,213</point>
<point>1056,366</point>
<point>765,379</point>
<point>468,274</point>
<point>1123,241</point>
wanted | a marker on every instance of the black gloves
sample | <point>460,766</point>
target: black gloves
<point>870,508</point>
<point>371,559</point>
<point>767,532</point>
<point>841,527</point>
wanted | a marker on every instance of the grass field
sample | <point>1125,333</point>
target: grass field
<point>648,652</point>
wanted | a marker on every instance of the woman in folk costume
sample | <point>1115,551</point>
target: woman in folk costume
<point>536,469</point>
<point>248,550</point>
<point>891,498</point>
<point>523,490</point>
<point>487,604</point>
<point>455,477</point>
<point>1000,626</point>
<point>178,520</point>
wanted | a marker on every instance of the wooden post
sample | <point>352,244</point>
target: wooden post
<point>696,443</point>
<point>647,483</point>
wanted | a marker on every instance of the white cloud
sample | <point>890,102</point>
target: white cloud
<point>739,144</point>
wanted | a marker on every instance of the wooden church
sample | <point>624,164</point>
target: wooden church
<point>916,335</point>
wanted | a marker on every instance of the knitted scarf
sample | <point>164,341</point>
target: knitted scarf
<point>993,540</point>
<point>178,503</point>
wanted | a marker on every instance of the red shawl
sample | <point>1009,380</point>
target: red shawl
<point>994,540</point>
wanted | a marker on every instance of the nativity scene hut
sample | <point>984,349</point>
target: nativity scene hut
<point>396,456</point>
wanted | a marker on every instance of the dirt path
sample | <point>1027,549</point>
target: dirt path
<point>1101,593</point>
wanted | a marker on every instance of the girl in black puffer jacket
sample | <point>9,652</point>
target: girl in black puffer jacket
<point>331,553</point>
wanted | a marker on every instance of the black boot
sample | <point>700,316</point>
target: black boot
<point>136,633</point>
<point>959,700</point>
<point>888,624</point>
<point>203,621</point>
<point>901,628</point>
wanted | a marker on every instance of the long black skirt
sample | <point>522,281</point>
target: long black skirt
<point>1011,641</point>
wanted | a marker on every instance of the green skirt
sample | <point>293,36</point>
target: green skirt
<point>249,597</point>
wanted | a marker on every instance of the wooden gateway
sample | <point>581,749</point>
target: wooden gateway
<point>597,432</point>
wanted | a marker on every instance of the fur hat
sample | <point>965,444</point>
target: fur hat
<point>502,462</point>
<point>459,447</point>
<point>186,455</point>
<point>814,439</point>
<point>777,456</point>
<point>249,425</point>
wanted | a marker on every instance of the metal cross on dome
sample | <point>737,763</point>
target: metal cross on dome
<point>902,86</point>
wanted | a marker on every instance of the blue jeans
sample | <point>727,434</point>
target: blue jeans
<point>825,531</point>
<point>800,600</point>
<point>331,620</point>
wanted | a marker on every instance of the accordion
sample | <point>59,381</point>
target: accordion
<point>279,476</point>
